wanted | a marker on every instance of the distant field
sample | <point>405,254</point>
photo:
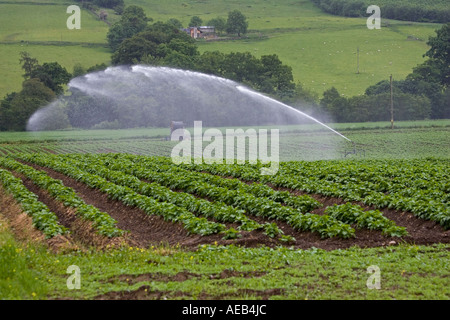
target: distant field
<point>375,140</point>
<point>66,55</point>
<point>41,30</point>
<point>24,22</point>
<point>320,48</point>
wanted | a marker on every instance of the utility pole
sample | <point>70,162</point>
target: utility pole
<point>357,59</point>
<point>392,106</point>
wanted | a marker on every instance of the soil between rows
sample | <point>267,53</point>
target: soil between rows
<point>145,230</point>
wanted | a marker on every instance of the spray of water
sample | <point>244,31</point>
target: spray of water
<point>259,95</point>
<point>144,96</point>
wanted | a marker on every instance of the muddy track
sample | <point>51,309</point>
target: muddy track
<point>145,230</point>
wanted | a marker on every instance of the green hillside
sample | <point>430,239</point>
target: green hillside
<point>320,48</point>
<point>41,30</point>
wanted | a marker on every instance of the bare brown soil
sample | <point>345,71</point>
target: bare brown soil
<point>146,293</point>
<point>145,230</point>
<point>182,276</point>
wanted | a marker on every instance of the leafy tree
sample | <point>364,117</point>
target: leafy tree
<point>236,23</point>
<point>109,3</point>
<point>242,67</point>
<point>78,70</point>
<point>97,67</point>
<point>175,22</point>
<point>334,104</point>
<point>133,21</point>
<point>219,23</point>
<point>53,75</point>
<point>440,52</point>
<point>29,64</point>
<point>155,44</point>
<point>280,76</point>
<point>195,21</point>
<point>17,108</point>
<point>5,111</point>
<point>305,96</point>
<point>212,62</point>
<point>132,50</point>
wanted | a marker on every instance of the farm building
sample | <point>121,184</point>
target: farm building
<point>205,32</point>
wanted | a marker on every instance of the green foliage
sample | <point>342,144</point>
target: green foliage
<point>42,84</point>
<point>272,230</point>
<point>101,221</point>
<point>416,10</point>
<point>236,23</point>
<point>175,22</point>
<point>17,108</point>
<point>85,111</point>
<point>372,220</point>
<point>196,21</point>
<point>18,279</point>
<point>428,81</point>
<point>287,239</point>
<point>159,42</point>
<point>251,200</point>
<point>169,211</point>
<point>53,75</point>
<point>231,233</point>
<point>28,63</point>
<point>133,21</point>
<point>97,67</point>
<point>375,106</point>
<point>78,70</point>
<point>219,23</point>
<point>43,219</point>
<point>440,53</point>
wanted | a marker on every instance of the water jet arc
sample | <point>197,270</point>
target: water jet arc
<point>248,91</point>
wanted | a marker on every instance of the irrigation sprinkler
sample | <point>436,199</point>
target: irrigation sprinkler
<point>355,151</point>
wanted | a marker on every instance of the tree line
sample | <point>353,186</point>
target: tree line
<point>397,10</point>
<point>423,94</point>
<point>136,39</point>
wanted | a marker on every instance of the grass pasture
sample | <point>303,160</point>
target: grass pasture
<point>41,30</point>
<point>320,48</point>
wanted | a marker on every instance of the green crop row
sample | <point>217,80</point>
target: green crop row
<point>102,222</point>
<point>324,225</point>
<point>418,186</point>
<point>303,203</point>
<point>372,220</point>
<point>129,197</point>
<point>216,210</point>
<point>43,219</point>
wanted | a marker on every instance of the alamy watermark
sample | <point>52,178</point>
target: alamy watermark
<point>74,21</point>
<point>190,148</point>
<point>374,21</point>
<point>374,281</point>
<point>74,281</point>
